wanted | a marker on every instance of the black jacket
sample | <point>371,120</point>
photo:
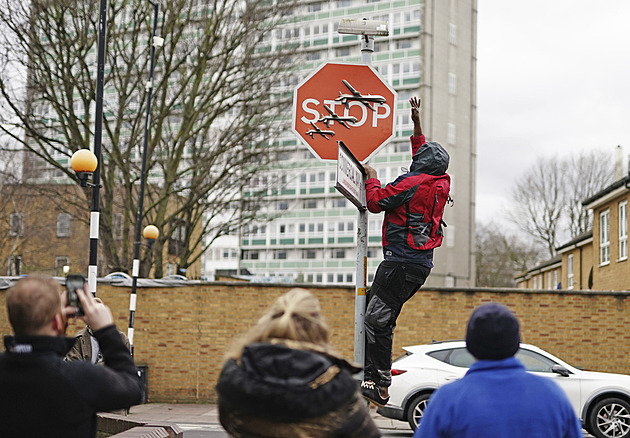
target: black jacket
<point>279,390</point>
<point>41,395</point>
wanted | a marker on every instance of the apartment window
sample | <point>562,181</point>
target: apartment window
<point>315,7</point>
<point>604,237</point>
<point>282,205</point>
<point>549,280</point>
<point>331,278</point>
<point>623,230</point>
<point>452,33</point>
<point>117,226</point>
<point>570,271</point>
<point>555,279</point>
<point>339,203</point>
<point>382,46</point>
<point>452,83</point>
<point>310,204</point>
<point>280,254</point>
<point>338,254</point>
<point>534,282</point>
<point>313,56</point>
<point>170,269</point>
<point>342,51</point>
<point>309,254</point>
<point>16,225</point>
<point>63,225</point>
<point>451,134</point>
<point>60,262</point>
<point>250,255</point>
<point>15,266</point>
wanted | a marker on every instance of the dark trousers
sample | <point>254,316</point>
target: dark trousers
<point>394,283</point>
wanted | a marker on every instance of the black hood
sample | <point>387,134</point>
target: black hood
<point>431,158</point>
<point>278,382</point>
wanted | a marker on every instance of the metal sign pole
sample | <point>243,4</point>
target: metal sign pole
<point>360,299</point>
<point>351,183</point>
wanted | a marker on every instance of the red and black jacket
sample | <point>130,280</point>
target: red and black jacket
<point>413,205</point>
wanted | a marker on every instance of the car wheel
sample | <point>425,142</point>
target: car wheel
<point>610,418</point>
<point>416,409</point>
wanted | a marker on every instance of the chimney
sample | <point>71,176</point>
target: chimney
<point>618,163</point>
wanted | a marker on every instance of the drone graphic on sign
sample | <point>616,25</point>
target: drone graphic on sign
<point>349,102</point>
<point>336,118</point>
<point>316,130</point>
<point>356,96</point>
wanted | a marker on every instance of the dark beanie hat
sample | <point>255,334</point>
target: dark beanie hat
<point>492,332</point>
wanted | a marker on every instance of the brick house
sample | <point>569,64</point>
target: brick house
<point>598,259</point>
<point>44,228</point>
<point>39,233</point>
<point>546,275</point>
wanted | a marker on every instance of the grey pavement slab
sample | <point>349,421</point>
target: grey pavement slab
<point>208,414</point>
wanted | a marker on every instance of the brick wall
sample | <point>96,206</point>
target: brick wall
<point>181,333</point>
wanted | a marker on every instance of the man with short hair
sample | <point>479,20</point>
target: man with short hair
<point>44,396</point>
<point>497,397</point>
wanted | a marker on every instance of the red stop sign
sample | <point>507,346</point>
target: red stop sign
<point>344,102</point>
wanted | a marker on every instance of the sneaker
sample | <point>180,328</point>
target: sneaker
<point>370,392</point>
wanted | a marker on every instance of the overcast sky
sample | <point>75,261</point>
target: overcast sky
<point>553,78</point>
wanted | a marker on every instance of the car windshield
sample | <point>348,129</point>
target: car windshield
<point>460,357</point>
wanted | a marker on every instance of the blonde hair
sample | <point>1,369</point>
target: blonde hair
<point>294,316</point>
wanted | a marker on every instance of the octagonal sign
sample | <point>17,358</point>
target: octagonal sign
<point>347,102</point>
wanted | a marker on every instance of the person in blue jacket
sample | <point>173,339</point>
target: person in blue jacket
<point>497,398</point>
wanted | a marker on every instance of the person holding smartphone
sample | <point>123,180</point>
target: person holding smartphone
<point>44,396</point>
<point>86,346</point>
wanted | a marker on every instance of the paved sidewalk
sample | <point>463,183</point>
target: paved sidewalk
<point>208,414</point>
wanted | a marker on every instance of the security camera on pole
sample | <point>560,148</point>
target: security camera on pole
<point>345,112</point>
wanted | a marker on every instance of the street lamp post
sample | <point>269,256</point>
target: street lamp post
<point>150,233</point>
<point>85,164</point>
<point>156,41</point>
<point>98,134</point>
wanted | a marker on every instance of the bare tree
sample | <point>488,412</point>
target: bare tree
<point>502,255</point>
<point>212,118</point>
<point>588,173</point>
<point>548,197</point>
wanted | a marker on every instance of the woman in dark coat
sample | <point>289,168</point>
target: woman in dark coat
<point>282,380</point>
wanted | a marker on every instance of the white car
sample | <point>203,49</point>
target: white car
<point>600,400</point>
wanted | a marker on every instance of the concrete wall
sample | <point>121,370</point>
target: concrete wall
<point>181,333</point>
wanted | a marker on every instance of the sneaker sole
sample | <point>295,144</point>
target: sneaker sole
<point>374,402</point>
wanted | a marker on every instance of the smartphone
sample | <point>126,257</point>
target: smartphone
<point>74,282</point>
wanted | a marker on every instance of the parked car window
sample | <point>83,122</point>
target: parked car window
<point>534,361</point>
<point>458,357</point>
<point>441,355</point>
